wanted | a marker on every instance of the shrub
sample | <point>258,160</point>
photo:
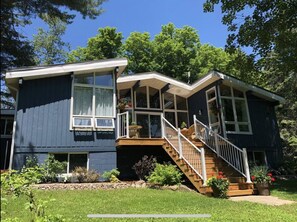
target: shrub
<point>111,175</point>
<point>165,174</point>
<point>52,168</point>
<point>144,166</point>
<point>84,175</point>
<point>31,161</point>
<point>219,185</point>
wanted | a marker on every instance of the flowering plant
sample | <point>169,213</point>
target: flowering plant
<point>123,102</point>
<point>219,185</point>
<point>260,174</point>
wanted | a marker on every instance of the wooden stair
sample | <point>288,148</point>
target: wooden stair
<point>214,164</point>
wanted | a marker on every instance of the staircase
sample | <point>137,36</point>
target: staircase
<point>199,162</point>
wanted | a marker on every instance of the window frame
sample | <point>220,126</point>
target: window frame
<point>235,122</point>
<point>147,99</point>
<point>209,100</point>
<point>68,158</point>
<point>93,116</point>
<point>6,119</point>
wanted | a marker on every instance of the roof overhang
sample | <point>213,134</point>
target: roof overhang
<point>158,81</point>
<point>36,72</point>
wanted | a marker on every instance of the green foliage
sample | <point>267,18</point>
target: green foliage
<point>165,174</point>
<point>266,26</point>
<point>260,174</point>
<point>48,45</point>
<point>111,175</point>
<point>219,185</point>
<point>106,44</point>
<point>84,175</point>
<point>144,166</point>
<point>31,161</point>
<point>53,167</point>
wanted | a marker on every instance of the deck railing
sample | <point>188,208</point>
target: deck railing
<point>123,125</point>
<point>186,150</point>
<point>230,153</point>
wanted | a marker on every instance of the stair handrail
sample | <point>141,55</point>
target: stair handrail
<point>123,125</point>
<point>229,152</point>
<point>179,149</point>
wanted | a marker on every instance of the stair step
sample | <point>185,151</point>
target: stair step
<point>233,193</point>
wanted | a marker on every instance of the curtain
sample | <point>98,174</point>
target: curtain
<point>82,99</point>
<point>104,102</point>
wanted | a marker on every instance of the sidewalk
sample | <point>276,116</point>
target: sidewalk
<point>269,200</point>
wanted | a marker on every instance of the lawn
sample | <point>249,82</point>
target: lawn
<point>76,205</point>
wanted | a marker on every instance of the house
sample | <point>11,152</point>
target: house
<point>71,111</point>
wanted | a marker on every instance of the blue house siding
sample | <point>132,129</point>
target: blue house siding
<point>43,119</point>
<point>265,132</point>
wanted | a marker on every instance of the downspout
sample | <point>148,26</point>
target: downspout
<point>13,129</point>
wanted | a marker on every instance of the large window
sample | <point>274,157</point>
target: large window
<point>175,109</point>
<point>93,101</point>
<point>6,127</point>
<point>147,97</point>
<point>73,160</point>
<point>235,110</point>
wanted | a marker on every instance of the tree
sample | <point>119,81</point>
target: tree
<point>138,48</point>
<point>106,44</point>
<point>266,26</point>
<point>48,45</point>
<point>16,49</point>
<point>174,49</point>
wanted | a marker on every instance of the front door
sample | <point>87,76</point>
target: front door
<point>151,125</point>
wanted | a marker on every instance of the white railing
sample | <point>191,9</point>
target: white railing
<point>123,125</point>
<point>186,150</point>
<point>233,155</point>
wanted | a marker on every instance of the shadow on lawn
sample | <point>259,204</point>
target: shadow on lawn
<point>285,185</point>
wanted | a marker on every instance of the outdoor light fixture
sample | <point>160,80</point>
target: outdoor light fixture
<point>116,69</point>
<point>20,81</point>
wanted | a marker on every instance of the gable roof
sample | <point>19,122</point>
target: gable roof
<point>159,81</point>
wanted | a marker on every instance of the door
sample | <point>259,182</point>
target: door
<point>151,125</point>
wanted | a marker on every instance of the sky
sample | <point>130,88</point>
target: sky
<point>144,16</point>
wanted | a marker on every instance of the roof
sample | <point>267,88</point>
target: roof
<point>159,81</point>
<point>36,72</point>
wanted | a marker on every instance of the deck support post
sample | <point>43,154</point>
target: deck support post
<point>246,166</point>
<point>118,126</point>
<point>127,124</point>
<point>203,166</point>
<point>195,126</point>
<point>162,126</point>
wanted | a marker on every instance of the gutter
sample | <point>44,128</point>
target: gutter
<point>14,128</point>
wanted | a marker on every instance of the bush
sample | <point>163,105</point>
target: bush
<point>111,175</point>
<point>165,174</point>
<point>219,185</point>
<point>144,166</point>
<point>53,167</point>
<point>260,174</point>
<point>84,175</point>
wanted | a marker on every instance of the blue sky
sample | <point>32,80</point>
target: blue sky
<point>145,16</point>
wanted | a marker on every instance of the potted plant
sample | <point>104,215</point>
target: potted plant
<point>262,179</point>
<point>184,129</point>
<point>124,103</point>
<point>134,130</point>
<point>219,185</point>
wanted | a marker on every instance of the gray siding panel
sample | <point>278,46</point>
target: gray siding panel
<point>43,117</point>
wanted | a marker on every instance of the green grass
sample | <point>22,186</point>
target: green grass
<point>285,189</point>
<point>76,205</point>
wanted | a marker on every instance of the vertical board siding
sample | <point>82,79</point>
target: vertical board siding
<point>43,117</point>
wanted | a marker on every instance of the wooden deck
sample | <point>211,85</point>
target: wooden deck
<point>140,142</point>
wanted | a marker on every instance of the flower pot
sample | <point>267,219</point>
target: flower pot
<point>263,189</point>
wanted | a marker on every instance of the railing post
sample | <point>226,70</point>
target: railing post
<point>246,165</point>
<point>162,126</point>
<point>180,147</point>
<point>195,126</point>
<point>216,143</point>
<point>118,125</point>
<point>203,166</point>
<point>127,124</point>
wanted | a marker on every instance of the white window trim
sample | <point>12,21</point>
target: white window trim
<point>175,110</point>
<point>148,99</point>
<point>259,151</point>
<point>236,122</point>
<point>104,127</point>
<point>93,116</point>
<point>210,100</point>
